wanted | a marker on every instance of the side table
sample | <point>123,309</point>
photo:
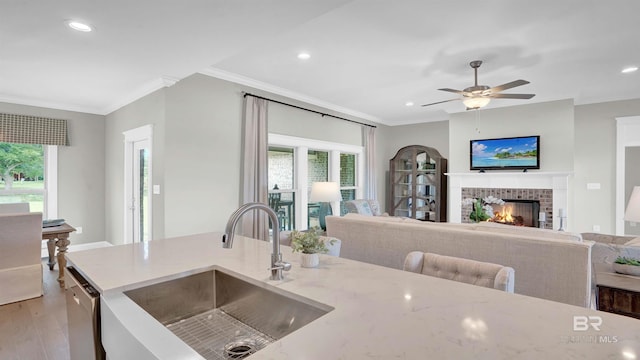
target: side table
<point>58,237</point>
<point>618,293</point>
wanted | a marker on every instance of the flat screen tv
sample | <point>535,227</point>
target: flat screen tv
<point>505,153</point>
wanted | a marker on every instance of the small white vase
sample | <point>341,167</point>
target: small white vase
<point>310,260</point>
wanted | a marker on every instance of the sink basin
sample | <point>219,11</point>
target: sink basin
<point>223,316</point>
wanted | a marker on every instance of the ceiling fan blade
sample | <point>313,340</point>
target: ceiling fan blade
<point>508,85</point>
<point>512,96</point>
<point>440,102</point>
<point>453,91</point>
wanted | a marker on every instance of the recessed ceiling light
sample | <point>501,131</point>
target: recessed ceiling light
<point>629,69</point>
<point>304,56</point>
<point>409,103</point>
<point>76,25</point>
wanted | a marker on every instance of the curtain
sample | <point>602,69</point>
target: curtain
<point>27,129</point>
<point>369,134</point>
<point>255,165</point>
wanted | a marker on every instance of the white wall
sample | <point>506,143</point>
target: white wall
<point>203,148</point>
<point>81,170</point>
<point>553,121</point>
<point>147,110</point>
<point>595,162</point>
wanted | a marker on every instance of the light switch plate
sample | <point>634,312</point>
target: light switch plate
<point>156,189</point>
<point>593,186</point>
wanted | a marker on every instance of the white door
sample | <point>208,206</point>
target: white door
<point>137,204</point>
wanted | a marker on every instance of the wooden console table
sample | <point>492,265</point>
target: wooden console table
<point>58,237</point>
<point>618,293</point>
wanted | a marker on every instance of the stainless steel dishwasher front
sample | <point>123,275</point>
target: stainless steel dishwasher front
<point>83,318</point>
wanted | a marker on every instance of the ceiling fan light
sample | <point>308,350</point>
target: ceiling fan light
<point>476,102</point>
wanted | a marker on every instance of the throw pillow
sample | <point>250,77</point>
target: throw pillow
<point>375,207</point>
<point>363,208</point>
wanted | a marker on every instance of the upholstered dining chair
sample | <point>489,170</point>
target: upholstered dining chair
<point>463,270</point>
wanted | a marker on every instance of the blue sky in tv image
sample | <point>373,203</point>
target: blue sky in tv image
<point>506,152</point>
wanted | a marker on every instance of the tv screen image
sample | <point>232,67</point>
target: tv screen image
<point>505,153</point>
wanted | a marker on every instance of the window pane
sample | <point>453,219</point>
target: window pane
<point>318,167</point>
<point>347,170</point>
<point>22,174</point>
<point>144,194</point>
<point>281,181</point>
<point>317,170</point>
<point>280,168</point>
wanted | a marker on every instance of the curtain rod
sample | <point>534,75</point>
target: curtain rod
<point>245,94</point>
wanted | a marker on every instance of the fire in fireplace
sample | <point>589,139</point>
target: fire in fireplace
<point>517,212</point>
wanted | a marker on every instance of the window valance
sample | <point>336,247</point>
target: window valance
<point>26,129</point>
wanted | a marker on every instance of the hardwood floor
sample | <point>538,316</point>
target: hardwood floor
<point>36,329</point>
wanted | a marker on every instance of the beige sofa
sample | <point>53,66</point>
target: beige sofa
<point>608,247</point>
<point>548,264</point>
<point>20,262</point>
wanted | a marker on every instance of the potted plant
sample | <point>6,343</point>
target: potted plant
<point>310,245</point>
<point>629,266</point>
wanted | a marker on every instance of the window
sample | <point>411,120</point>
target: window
<point>282,193</point>
<point>296,163</point>
<point>28,174</point>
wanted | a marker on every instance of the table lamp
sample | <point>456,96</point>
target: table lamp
<point>633,206</point>
<point>325,193</point>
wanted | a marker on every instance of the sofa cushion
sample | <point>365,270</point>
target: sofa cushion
<point>607,238</point>
<point>527,231</point>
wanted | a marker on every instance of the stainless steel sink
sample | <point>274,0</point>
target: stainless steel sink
<point>224,317</point>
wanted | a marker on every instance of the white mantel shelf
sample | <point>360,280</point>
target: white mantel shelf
<point>558,181</point>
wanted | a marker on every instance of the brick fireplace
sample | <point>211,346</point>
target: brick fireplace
<point>533,200</point>
<point>550,189</point>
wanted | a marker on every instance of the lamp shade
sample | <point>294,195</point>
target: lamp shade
<point>633,206</point>
<point>476,102</point>
<point>325,192</point>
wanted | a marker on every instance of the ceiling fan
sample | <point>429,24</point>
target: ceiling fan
<point>478,96</point>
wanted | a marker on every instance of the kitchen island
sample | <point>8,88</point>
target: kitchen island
<point>378,313</point>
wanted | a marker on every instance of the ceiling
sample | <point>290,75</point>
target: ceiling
<point>368,58</point>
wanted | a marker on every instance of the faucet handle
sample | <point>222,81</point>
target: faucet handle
<point>285,266</point>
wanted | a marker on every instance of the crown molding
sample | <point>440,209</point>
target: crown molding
<point>243,80</point>
<point>48,104</point>
<point>141,91</point>
<point>161,82</point>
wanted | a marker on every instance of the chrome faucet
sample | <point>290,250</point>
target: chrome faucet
<point>277,265</point>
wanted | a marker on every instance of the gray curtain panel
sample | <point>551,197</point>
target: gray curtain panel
<point>369,135</point>
<point>255,165</point>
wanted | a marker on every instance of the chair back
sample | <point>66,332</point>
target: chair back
<point>14,208</point>
<point>463,270</point>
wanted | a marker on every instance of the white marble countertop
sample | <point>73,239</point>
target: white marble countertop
<point>379,313</point>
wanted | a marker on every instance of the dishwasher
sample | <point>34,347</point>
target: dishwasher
<point>83,318</point>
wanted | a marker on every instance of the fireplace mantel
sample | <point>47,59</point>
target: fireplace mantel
<point>557,181</point>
